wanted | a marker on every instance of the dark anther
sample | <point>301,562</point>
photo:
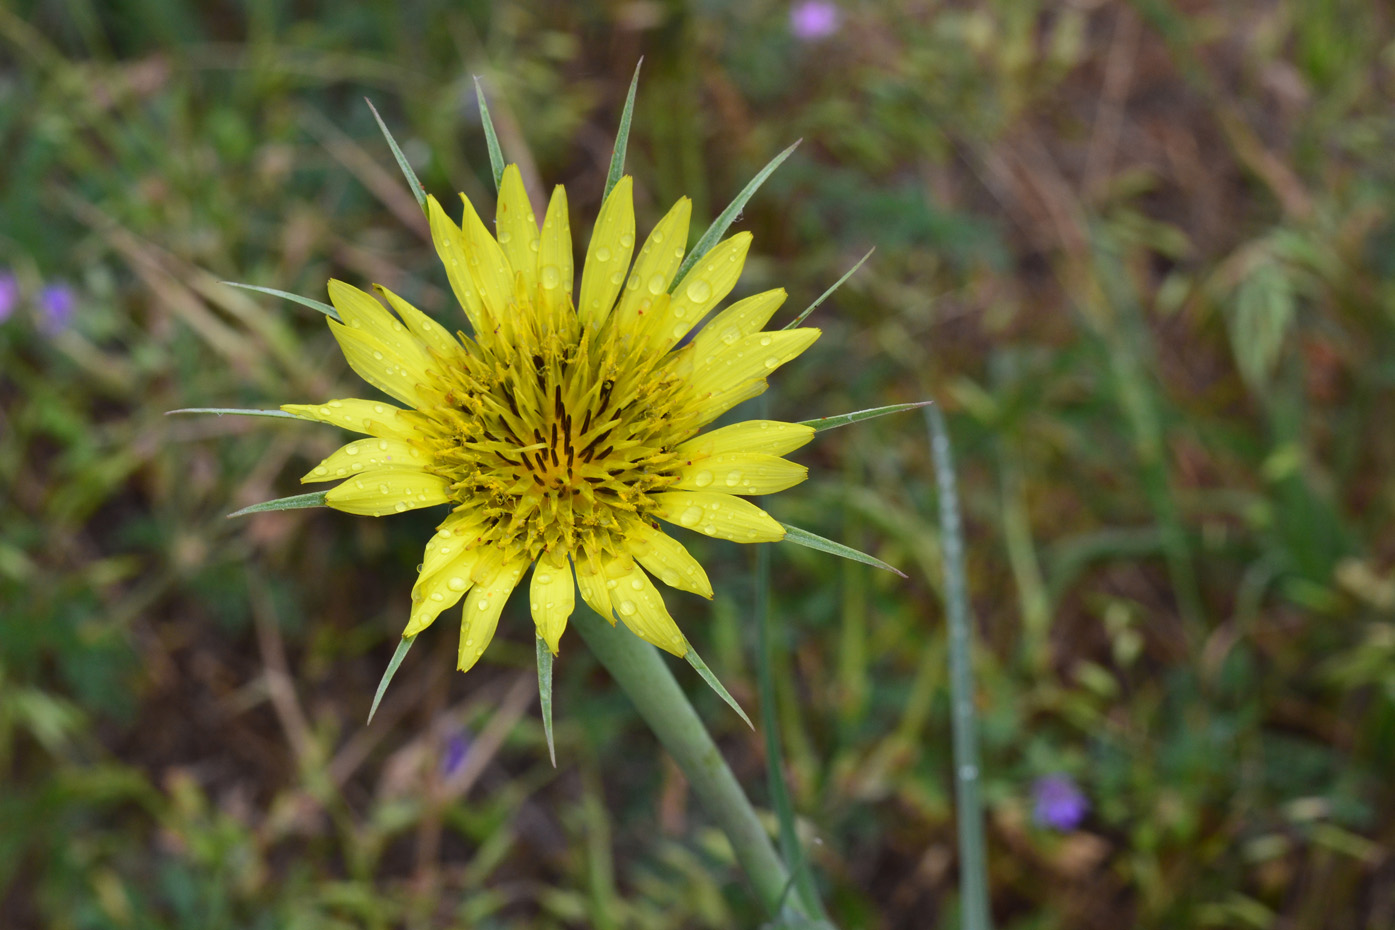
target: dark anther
<point>557,400</point>
<point>604,452</point>
<point>539,481</point>
<point>553,451</point>
<point>586,423</point>
<point>508,395</point>
<point>571,455</point>
<point>538,363</point>
<point>606,388</point>
<point>554,435</point>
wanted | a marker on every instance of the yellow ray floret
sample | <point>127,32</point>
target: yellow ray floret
<point>567,425</point>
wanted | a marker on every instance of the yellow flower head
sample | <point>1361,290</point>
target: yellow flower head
<point>570,423</point>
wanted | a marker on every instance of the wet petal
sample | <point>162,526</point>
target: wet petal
<point>365,455</point>
<point>517,228</point>
<point>372,417</point>
<point>718,515</point>
<point>482,608</point>
<point>741,319</point>
<point>738,371</point>
<point>741,473</point>
<point>641,608</point>
<point>705,285</point>
<point>552,597</point>
<point>666,558</point>
<point>432,334</point>
<point>608,256</point>
<point>555,256</point>
<point>450,246</point>
<point>769,436</point>
<point>654,269</point>
<point>488,266</point>
<point>388,491</point>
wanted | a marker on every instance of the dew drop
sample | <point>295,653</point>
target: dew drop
<point>702,479</point>
<point>603,254</point>
<point>626,240</point>
<point>543,578</point>
<point>765,340</point>
<point>379,408</point>
<point>484,605</point>
<point>533,244</point>
<point>357,466</point>
<point>657,235</point>
<point>772,362</point>
<point>698,291</point>
<point>324,411</point>
<point>321,470</point>
<point>627,608</point>
<point>382,445</point>
<point>438,596</point>
<point>709,529</point>
<point>378,356</point>
<point>456,583</point>
<point>733,478</point>
<point>657,283</point>
<point>678,253</point>
<point>636,584</point>
<point>340,472</point>
<point>352,448</point>
<point>551,276</point>
<point>382,489</point>
<point>680,331</point>
<point>504,237</point>
<point>400,507</point>
<point>691,516</point>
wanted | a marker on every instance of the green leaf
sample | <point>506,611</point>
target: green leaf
<point>622,138</point>
<point>299,501</point>
<point>491,138</point>
<point>545,695</point>
<point>240,411</point>
<point>843,419</point>
<point>393,663</point>
<point>728,216</point>
<point>805,538</point>
<point>836,284</point>
<point>417,190</point>
<point>326,309</point>
<point>701,668</point>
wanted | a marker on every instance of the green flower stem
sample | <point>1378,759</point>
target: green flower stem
<point>644,676</point>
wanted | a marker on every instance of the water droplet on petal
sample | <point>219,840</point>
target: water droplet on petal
<point>603,254</point>
<point>456,583</point>
<point>772,362</point>
<point>626,240</point>
<point>698,291</point>
<point>657,283</point>
<point>691,516</point>
<point>733,478</point>
<point>543,578</point>
<point>551,276</point>
<point>702,479</point>
<point>627,608</point>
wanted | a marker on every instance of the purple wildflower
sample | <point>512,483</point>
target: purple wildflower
<point>9,295</point>
<point>1058,803</point>
<point>57,303</point>
<point>814,19</point>
<point>457,748</point>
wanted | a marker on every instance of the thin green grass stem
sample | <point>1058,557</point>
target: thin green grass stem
<point>642,673</point>
<point>973,868</point>
<point>774,750</point>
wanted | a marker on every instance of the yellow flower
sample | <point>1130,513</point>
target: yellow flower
<point>570,423</point>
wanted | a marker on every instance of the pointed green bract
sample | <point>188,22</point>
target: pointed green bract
<point>843,419</point>
<point>491,138</point>
<point>545,695</point>
<point>622,138</point>
<point>298,502</point>
<point>826,294</point>
<point>238,411</point>
<point>701,668</point>
<point>805,538</point>
<point>324,308</point>
<point>417,190</point>
<point>397,657</point>
<point>728,216</point>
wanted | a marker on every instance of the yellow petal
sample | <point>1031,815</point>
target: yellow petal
<point>641,608</point>
<point>372,417</point>
<point>655,267</point>
<point>517,227</point>
<point>552,597</point>
<point>608,256</point>
<point>362,456</point>
<point>666,558</point>
<point>432,334</point>
<point>742,318</point>
<point>482,608</point>
<point>380,366</point>
<point>488,266</point>
<point>389,491</point>
<point>444,579</point>
<point>769,436</point>
<point>706,284</point>
<point>555,256</point>
<point>729,375</point>
<point>363,313</point>
<point>741,473</point>
<point>591,581</point>
<point>450,246</point>
<point>719,515</point>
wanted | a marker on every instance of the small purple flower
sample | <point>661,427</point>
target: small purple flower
<point>814,19</point>
<point>56,304</point>
<point>457,748</point>
<point>9,295</point>
<point>1058,803</point>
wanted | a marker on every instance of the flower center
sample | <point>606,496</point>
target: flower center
<point>554,437</point>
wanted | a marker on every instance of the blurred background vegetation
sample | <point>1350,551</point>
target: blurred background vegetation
<point>1142,253</point>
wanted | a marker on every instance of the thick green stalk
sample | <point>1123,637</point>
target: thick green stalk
<point>639,669</point>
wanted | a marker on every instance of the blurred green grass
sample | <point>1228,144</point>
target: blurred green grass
<point>1140,252</point>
